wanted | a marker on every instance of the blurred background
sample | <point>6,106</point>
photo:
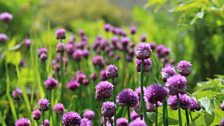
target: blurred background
<point>192,29</point>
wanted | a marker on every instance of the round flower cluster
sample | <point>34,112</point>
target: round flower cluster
<point>42,54</point>
<point>59,108</point>
<point>43,104</point>
<point>122,122</point>
<point>111,71</point>
<point>167,72</point>
<point>143,51</point>
<point>6,17</point>
<point>60,33</point>
<point>17,94</point>
<point>51,83</point>
<point>176,84</point>
<point>3,38</point>
<point>147,65</point>
<point>127,97</point>
<point>155,93</point>
<point>89,114</point>
<point>36,114</point>
<point>184,68</point>
<point>71,119</point>
<point>104,90</point>
<point>108,109</point>
<point>22,122</point>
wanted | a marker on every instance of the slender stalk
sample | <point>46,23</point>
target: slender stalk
<point>165,113</point>
<point>114,99</point>
<point>129,117</point>
<point>62,76</point>
<point>187,117</point>
<point>142,105</point>
<point>156,114</point>
<point>105,122</point>
<point>43,117</point>
<point>179,111</point>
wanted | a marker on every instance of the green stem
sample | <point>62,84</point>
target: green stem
<point>43,117</point>
<point>114,99</point>
<point>156,114</point>
<point>142,106</point>
<point>165,113</point>
<point>179,111</point>
<point>62,76</point>
<point>105,122</point>
<point>129,117</point>
<point>187,117</point>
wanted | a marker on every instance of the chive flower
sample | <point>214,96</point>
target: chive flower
<point>111,71</point>
<point>59,108</point>
<point>138,122</point>
<point>104,90</point>
<point>127,97</point>
<point>71,119</point>
<point>43,104</point>
<point>36,114</point>
<point>167,72</point>
<point>60,33</point>
<point>6,17</point>
<point>3,38</point>
<point>51,83</point>
<point>184,68</point>
<point>176,84</point>
<point>22,122</point>
<point>143,51</point>
<point>89,114</point>
<point>122,122</point>
<point>108,109</point>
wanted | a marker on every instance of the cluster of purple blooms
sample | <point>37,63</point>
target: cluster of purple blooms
<point>77,80</point>
<point>5,17</point>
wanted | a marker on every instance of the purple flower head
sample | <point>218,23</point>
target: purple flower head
<point>162,51</point>
<point>167,72</point>
<point>59,108</point>
<point>60,47</point>
<point>69,48</point>
<point>143,51</point>
<point>93,76</point>
<point>222,105</point>
<point>46,122</point>
<point>138,122</point>
<point>72,85</point>
<point>42,54</point>
<point>194,105</point>
<point>147,65</point>
<point>155,93</point>
<point>27,42</point>
<point>85,53</point>
<point>185,101</point>
<point>81,33</point>
<point>103,75</point>
<point>71,119</point>
<point>127,97</point>
<point>86,122</point>
<point>98,61</point>
<point>6,17</point>
<point>132,30</point>
<point>111,71</point>
<point>108,109</point>
<point>89,114</point>
<point>36,114</point>
<point>184,68</point>
<point>43,104</point>
<point>125,41</point>
<point>17,93</point>
<point>51,83</point>
<point>222,122</point>
<point>122,122</point>
<point>152,45</point>
<point>60,33</point>
<point>104,90</point>
<point>3,38</point>
<point>114,41</point>
<point>77,55</point>
<point>176,84</point>
<point>150,107</point>
<point>138,91</point>
<point>143,38</point>
<point>107,27</point>
<point>22,122</point>
<point>134,115</point>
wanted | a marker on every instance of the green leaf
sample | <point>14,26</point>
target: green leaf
<point>206,103</point>
<point>13,57</point>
